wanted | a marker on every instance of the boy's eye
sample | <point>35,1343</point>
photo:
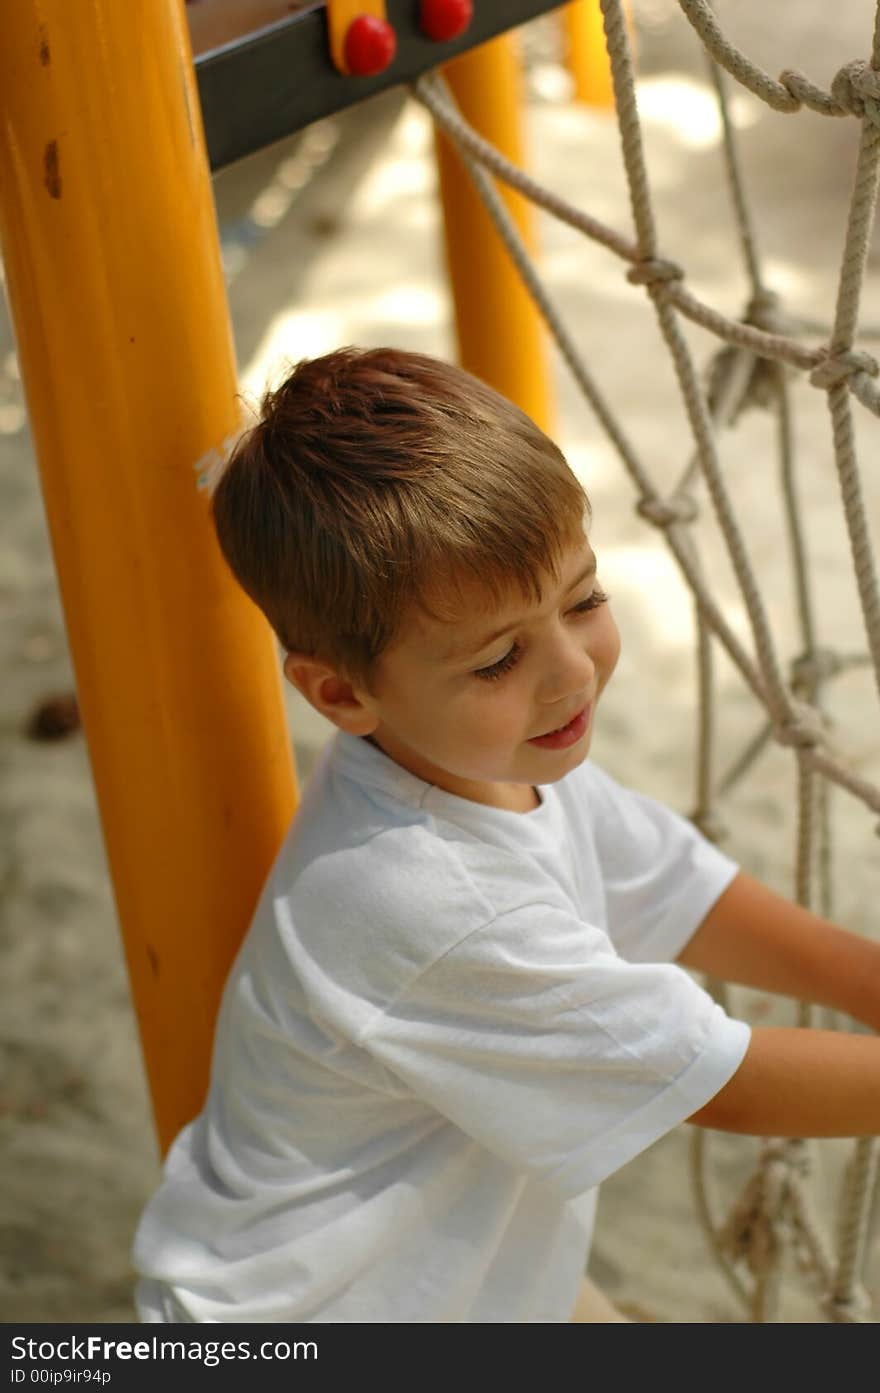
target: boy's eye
<point>496,670</point>
<point>510,659</point>
<point>593,601</point>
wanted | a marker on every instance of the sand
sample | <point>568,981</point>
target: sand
<point>354,257</point>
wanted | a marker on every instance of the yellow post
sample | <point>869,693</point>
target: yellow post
<point>117,296</point>
<point>500,334</point>
<point>586,54</point>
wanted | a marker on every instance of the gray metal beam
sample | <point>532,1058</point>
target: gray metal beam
<point>273,82</point>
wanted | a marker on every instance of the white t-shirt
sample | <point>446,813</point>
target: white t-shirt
<point>447,1024</point>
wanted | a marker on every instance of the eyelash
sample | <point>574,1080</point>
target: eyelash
<point>510,659</point>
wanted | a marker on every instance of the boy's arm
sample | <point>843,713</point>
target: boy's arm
<point>760,939</point>
<point>801,1083</point>
<point>793,1082</point>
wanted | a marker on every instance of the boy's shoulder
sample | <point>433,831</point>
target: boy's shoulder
<point>368,841</point>
<point>370,889</point>
<point>373,841</point>
<point>377,856</point>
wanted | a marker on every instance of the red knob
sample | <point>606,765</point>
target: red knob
<point>443,20</point>
<point>370,45</point>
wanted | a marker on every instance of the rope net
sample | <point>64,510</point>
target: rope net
<point>772,1222</point>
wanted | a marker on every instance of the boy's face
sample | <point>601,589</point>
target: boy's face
<point>504,699</point>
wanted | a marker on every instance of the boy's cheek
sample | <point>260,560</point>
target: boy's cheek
<point>613,647</point>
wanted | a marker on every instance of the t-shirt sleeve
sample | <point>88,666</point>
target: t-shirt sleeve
<point>660,875</point>
<point>536,1039</point>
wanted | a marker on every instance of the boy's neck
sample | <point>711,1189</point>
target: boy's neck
<point>515,798</point>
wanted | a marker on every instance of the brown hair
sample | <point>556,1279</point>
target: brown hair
<point>376,480</point>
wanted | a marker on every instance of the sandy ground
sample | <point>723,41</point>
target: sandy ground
<point>354,257</point>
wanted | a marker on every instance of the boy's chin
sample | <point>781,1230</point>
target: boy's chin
<point>565,762</point>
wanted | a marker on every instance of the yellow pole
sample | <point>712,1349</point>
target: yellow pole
<point>586,54</point>
<point>117,296</point>
<point>500,334</point>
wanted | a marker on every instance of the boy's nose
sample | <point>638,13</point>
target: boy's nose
<point>570,670</point>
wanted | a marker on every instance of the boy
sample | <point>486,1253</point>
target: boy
<point>460,1006</point>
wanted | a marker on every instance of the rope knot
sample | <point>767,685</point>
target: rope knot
<point>855,1308</point>
<point>654,271</point>
<point>758,382</point>
<point>763,312</point>
<point>857,89</point>
<point>663,512</point>
<point>762,1218</point>
<point>835,368</point>
<point>766,311</point>
<point>803,730</point>
<point>811,669</point>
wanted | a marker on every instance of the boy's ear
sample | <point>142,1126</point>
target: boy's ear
<point>346,705</point>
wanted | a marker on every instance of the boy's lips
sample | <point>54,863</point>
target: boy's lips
<point>565,735</point>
